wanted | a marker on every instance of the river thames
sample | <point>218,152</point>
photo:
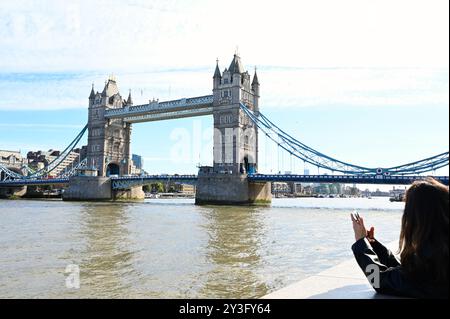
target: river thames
<point>165,248</point>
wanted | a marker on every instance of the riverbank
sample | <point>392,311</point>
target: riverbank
<point>169,196</point>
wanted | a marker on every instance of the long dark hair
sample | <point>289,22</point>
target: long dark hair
<point>424,235</point>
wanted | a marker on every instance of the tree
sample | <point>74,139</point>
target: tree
<point>146,188</point>
<point>354,191</point>
<point>157,187</point>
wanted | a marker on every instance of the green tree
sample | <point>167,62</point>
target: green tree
<point>158,187</point>
<point>354,191</point>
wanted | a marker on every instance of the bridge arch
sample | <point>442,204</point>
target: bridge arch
<point>112,169</point>
<point>248,166</point>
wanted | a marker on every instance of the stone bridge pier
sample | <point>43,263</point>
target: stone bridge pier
<point>99,188</point>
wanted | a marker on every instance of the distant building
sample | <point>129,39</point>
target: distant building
<point>41,159</point>
<point>297,188</point>
<point>308,190</point>
<point>280,187</point>
<point>379,193</point>
<point>137,163</point>
<point>82,151</point>
<point>184,188</point>
<point>12,158</point>
<point>366,193</point>
<point>44,157</point>
<point>351,191</point>
<point>306,171</point>
<point>397,193</point>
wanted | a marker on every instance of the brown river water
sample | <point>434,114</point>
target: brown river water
<point>170,248</point>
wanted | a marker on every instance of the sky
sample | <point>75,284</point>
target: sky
<point>366,82</point>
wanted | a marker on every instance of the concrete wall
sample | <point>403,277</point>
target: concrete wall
<point>135,193</point>
<point>259,193</point>
<point>223,189</point>
<point>88,188</point>
<point>99,188</point>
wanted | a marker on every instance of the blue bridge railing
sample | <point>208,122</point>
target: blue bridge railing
<point>125,182</point>
<point>346,179</point>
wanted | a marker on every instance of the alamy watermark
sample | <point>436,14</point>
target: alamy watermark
<point>73,276</point>
<point>227,143</point>
<point>373,275</point>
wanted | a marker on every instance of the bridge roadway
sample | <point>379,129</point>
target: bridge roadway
<point>157,111</point>
<point>124,182</point>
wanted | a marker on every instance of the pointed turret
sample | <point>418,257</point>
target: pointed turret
<point>92,95</point>
<point>217,78</point>
<point>255,79</point>
<point>255,89</point>
<point>217,71</point>
<point>129,100</point>
<point>236,65</point>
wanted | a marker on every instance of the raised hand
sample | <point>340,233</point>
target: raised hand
<point>358,227</point>
<point>371,234</point>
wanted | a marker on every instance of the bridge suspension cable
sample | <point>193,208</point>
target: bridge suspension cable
<point>57,161</point>
<point>316,158</point>
<point>8,174</point>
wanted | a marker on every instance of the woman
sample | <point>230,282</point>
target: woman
<point>422,271</point>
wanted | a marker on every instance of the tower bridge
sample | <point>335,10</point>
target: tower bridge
<point>233,178</point>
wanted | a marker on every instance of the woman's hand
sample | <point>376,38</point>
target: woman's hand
<point>371,235</point>
<point>359,228</point>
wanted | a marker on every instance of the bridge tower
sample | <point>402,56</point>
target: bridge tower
<point>108,150</point>
<point>235,136</point>
<point>235,141</point>
<point>108,139</point>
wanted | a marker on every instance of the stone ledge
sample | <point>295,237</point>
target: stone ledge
<point>344,281</point>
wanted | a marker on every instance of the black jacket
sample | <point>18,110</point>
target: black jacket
<point>392,277</point>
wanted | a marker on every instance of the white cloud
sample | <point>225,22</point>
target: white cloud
<point>280,88</point>
<point>133,35</point>
<point>377,87</point>
<point>166,50</point>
